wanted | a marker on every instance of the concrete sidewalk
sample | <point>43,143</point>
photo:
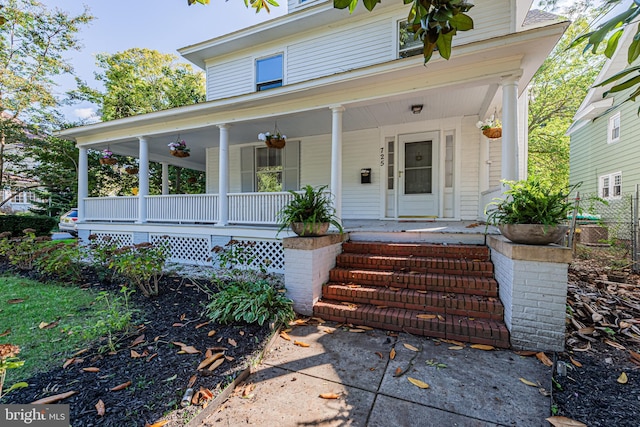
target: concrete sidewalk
<point>467,387</point>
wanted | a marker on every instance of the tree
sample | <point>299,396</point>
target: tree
<point>33,42</point>
<point>138,81</point>
<point>556,92</point>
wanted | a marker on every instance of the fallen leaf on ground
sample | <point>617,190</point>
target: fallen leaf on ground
<point>100,408</point>
<point>6,332</point>
<point>178,325</point>
<point>329,330</point>
<point>79,352</point>
<point>575,362</point>
<point>53,399</point>
<point>248,389</point>
<point>397,372</point>
<point>366,328</point>
<point>211,333</point>
<point>200,325</point>
<point>357,330</point>
<point>215,364</point>
<point>410,347</point>
<point>121,386</point>
<point>379,354</point>
<point>285,336</point>
<point>192,381</point>
<point>151,357</point>
<point>615,344</point>
<point>525,353</point>
<point>189,349</point>
<point>426,316</point>
<point>544,359</point>
<point>232,342</point>
<point>418,383</point>
<point>91,369</point>
<point>299,322</point>
<point>622,379</point>
<point>329,395</point>
<point>45,325</point>
<point>157,423</point>
<point>527,382</point>
<point>137,341</point>
<point>318,319</point>
<point>68,362</point>
<point>209,360</point>
<point>15,300</point>
<point>178,343</point>
<point>183,316</point>
<point>301,344</point>
<point>558,421</point>
<point>135,354</point>
<point>454,342</point>
<point>440,317</point>
<point>456,347</point>
<point>484,347</point>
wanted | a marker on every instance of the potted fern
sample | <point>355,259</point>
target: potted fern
<point>309,213</point>
<point>532,212</point>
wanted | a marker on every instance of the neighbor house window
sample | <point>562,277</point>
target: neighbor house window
<point>407,44</point>
<point>611,186</point>
<point>614,128</point>
<point>269,72</point>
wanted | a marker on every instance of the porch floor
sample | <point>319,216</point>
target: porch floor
<point>417,226</point>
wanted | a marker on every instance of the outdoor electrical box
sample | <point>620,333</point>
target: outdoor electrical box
<point>365,176</point>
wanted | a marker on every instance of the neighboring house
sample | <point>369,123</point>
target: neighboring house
<point>604,150</point>
<point>352,94</point>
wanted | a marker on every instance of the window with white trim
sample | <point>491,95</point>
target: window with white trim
<point>269,72</point>
<point>610,186</point>
<point>266,169</point>
<point>614,128</point>
<point>408,45</point>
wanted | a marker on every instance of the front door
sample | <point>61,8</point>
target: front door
<point>418,175</point>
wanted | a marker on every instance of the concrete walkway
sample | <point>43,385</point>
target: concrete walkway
<point>467,387</point>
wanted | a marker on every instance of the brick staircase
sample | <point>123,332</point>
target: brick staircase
<point>441,291</point>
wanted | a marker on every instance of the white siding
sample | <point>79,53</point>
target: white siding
<point>469,169</point>
<point>230,78</point>
<point>213,156</point>
<point>315,160</point>
<point>495,157</point>
<point>342,49</point>
<point>491,18</point>
<point>360,150</point>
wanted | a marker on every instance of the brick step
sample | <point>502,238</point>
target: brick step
<point>478,331</point>
<point>484,286</point>
<point>473,306</point>
<point>414,264</point>
<point>427,250</point>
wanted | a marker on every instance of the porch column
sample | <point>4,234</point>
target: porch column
<point>83,181</point>
<point>165,178</point>
<point>510,129</point>
<point>223,177</point>
<point>143,179</point>
<point>336,158</point>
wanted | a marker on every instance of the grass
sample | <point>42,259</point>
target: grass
<point>73,308</point>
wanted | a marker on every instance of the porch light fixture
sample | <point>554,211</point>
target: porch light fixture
<point>416,109</point>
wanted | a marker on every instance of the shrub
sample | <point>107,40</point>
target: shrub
<point>257,301</point>
<point>61,260</point>
<point>22,252</point>
<point>101,251</point>
<point>16,223</point>
<point>142,264</point>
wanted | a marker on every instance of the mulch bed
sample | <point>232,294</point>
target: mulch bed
<point>157,369</point>
<point>602,343</point>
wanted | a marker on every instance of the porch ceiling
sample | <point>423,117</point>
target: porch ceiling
<point>380,95</point>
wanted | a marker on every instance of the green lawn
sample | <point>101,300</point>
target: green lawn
<point>74,309</point>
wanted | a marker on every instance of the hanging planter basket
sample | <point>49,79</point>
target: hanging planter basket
<point>492,133</point>
<point>275,143</point>
<point>192,180</point>
<point>179,153</point>
<point>108,161</point>
<point>131,171</point>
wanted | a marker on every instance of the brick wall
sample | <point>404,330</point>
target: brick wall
<point>533,292</point>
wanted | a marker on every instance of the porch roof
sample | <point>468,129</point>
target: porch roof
<point>375,96</point>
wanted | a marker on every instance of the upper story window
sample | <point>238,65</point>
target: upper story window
<point>614,128</point>
<point>611,186</point>
<point>407,44</point>
<point>269,72</point>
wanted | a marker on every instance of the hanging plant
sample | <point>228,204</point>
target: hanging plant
<point>179,148</point>
<point>491,128</point>
<point>107,158</point>
<point>273,140</point>
<point>131,170</point>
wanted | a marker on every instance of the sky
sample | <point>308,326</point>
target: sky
<point>163,25</point>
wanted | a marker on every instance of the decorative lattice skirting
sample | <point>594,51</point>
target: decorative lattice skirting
<point>119,239</point>
<point>268,254</point>
<point>186,249</point>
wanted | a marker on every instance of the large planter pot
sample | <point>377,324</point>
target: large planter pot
<point>310,230</point>
<point>533,234</point>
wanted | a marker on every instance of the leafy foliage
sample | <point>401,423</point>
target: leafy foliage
<point>42,225</point>
<point>531,202</point>
<point>142,264</point>
<point>254,301</point>
<point>310,206</point>
<point>61,261</point>
<point>115,316</point>
<point>435,22</point>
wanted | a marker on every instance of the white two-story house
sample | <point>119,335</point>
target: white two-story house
<point>393,138</point>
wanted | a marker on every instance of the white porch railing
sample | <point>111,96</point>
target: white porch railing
<point>183,208</point>
<point>111,208</point>
<point>256,208</point>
